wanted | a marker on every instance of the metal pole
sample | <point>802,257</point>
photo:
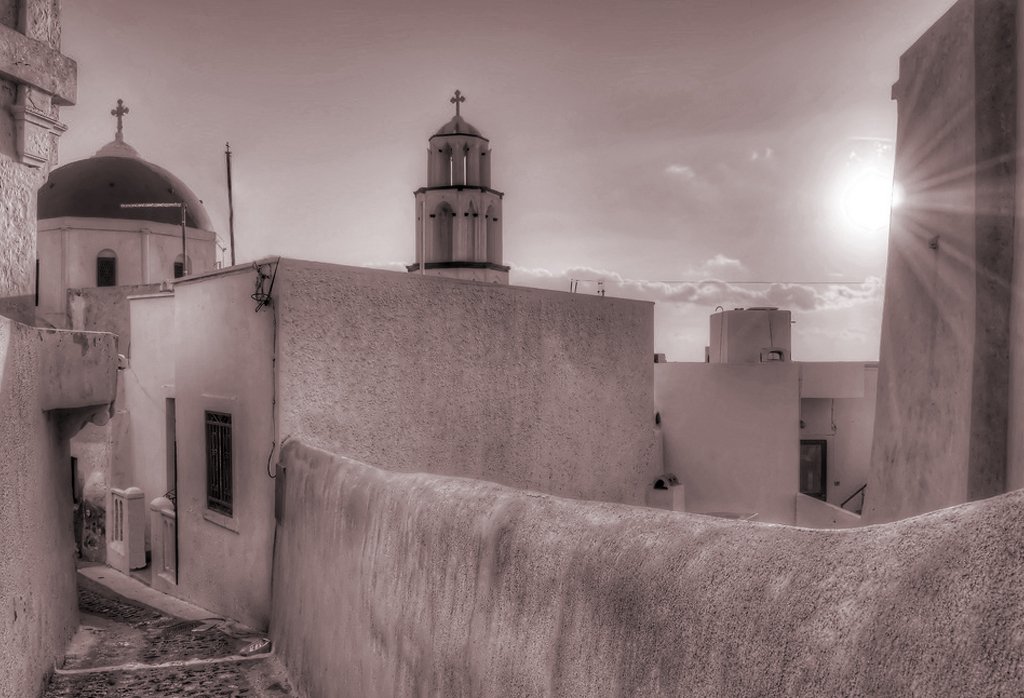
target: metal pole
<point>184,256</point>
<point>231,204</point>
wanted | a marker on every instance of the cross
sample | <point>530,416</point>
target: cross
<point>457,100</point>
<point>119,112</point>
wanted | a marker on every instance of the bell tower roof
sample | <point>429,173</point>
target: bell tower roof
<point>458,126</point>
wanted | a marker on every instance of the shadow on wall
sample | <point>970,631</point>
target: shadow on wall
<point>450,586</point>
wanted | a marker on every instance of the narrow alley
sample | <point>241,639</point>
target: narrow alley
<point>123,648</point>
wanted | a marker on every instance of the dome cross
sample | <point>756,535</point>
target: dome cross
<point>119,113</point>
<point>456,100</point>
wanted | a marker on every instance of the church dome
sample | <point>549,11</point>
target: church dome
<point>97,186</point>
<point>458,126</point>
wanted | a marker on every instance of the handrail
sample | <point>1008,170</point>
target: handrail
<point>861,489</point>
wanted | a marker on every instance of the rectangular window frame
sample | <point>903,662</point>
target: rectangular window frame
<point>220,479</point>
<point>106,272</point>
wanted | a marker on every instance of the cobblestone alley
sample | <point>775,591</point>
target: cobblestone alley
<point>123,649</point>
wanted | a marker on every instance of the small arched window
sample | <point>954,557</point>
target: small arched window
<point>493,243</point>
<point>449,165</point>
<point>181,269</point>
<point>106,268</point>
<point>443,233</point>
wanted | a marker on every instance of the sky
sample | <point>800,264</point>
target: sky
<point>696,153</point>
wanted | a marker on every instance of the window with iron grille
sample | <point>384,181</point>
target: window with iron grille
<point>106,269</point>
<point>218,462</point>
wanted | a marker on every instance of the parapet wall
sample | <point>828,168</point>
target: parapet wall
<point>530,388</point>
<point>391,584</point>
<point>38,608</point>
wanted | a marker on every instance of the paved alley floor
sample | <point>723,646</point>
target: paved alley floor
<point>126,649</point>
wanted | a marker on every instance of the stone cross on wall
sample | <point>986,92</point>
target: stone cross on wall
<point>30,58</point>
<point>119,113</point>
<point>457,100</point>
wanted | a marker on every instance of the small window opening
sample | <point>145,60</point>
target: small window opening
<point>180,268</point>
<point>219,492</point>
<point>106,268</point>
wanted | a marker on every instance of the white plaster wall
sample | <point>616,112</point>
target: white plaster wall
<point>845,423</point>
<point>534,389</point>
<point>731,434</point>
<point>38,607</point>
<point>149,381</point>
<point>941,422</point>
<point>392,585</point>
<point>1015,418</point>
<point>224,362</point>
<point>145,250</point>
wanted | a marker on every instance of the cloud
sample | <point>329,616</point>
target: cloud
<point>681,171</point>
<point>717,265</point>
<point>708,293</point>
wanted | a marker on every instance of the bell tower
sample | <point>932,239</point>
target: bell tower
<point>458,214</point>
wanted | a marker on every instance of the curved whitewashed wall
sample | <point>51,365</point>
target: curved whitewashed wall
<point>390,584</point>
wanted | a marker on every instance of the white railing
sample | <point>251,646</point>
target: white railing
<point>163,524</point>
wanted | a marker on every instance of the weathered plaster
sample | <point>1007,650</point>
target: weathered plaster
<point>941,421</point>
<point>390,584</point>
<point>32,62</point>
<point>17,226</point>
<point>1015,445</point>
<point>104,310</point>
<point>77,369</point>
<point>38,609</point>
<point>534,389</point>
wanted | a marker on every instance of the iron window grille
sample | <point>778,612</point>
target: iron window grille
<point>218,462</point>
<point>106,271</point>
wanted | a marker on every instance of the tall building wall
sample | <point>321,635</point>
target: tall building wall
<point>941,421</point>
<point>535,389</point>
<point>37,578</point>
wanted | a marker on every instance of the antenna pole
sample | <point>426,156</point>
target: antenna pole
<point>231,204</point>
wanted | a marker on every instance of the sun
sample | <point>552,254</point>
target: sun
<point>866,199</point>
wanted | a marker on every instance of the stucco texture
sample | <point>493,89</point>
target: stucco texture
<point>392,584</point>
<point>941,419</point>
<point>38,609</point>
<point>1015,448</point>
<point>223,363</point>
<point>534,389</point>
